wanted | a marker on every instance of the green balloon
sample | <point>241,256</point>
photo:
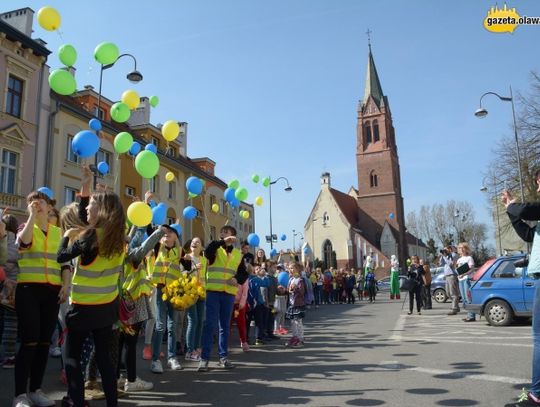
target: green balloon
<point>192,195</point>
<point>241,194</point>
<point>62,82</point>
<point>154,101</point>
<point>120,112</point>
<point>123,142</point>
<point>67,55</point>
<point>106,53</point>
<point>147,164</point>
<point>266,182</point>
<point>255,178</point>
<point>234,184</point>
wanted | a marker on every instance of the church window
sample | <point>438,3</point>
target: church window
<point>376,136</point>
<point>367,130</point>
<point>373,181</point>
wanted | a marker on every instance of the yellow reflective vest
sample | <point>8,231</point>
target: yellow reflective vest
<point>97,282</point>
<point>136,282</point>
<point>220,273</point>
<point>38,263</point>
<point>167,267</point>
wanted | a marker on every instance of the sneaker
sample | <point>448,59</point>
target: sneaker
<point>419,313</point>
<point>91,385</point>
<point>147,352</point>
<point>225,363</point>
<point>94,394</point>
<point>259,342</point>
<point>283,331</point>
<point>21,401</point>
<point>292,342</point>
<point>9,363</point>
<point>533,399</point>
<point>193,357</point>
<point>138,385</point>
<point>55,352</point>
<point>156,366</point>
<point>298,344</point>
<point>452,313</point>
<point>121,382</point>
<point>174,364</point>
<point>245,347</point>
<point>469,319</point>
<point>203,366</point>
<point>40,399</point>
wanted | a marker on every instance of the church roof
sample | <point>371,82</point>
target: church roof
<point>373,85</point>
<point>413,240</point>
<point>347,205</point>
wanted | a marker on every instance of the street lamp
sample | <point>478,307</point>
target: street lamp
<point>294,235</point>
<point>287,189</point>
<point>482,112</point>
<point>486,189</point>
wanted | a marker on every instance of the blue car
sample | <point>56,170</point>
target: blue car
<point>501,291</point>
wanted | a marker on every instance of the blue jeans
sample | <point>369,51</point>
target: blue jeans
<point>219,307</point>
<point>464,289</point>
<point>195,317</point>
<point>317,292</point>
<point>535,387</point>
<point>164,315</point>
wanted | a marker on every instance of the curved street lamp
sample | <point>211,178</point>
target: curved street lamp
<point>482,112</point>
<point>287,189</point>
<point>486,189</point>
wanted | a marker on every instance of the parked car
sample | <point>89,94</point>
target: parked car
<point>384,283</point>
<point>438,287</point>
<point>501,291</point>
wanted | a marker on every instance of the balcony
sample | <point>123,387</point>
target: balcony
<point>13,202</point>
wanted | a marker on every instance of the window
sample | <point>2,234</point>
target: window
<point>245,228</point>
<point>70,195</point>
<point>14,96</point>
<point>373,181</point>
<point>171,152</point>
<point>8,172</point>
<point>104,156</point>
<point>154,141</point>
<point>70,155</point>
<point>213,235</point>
<point>172,190</point>
<point>99,115</point>
<point>223,207</point>
<point>170,221</point>
<point>507,270</point>
<point>376,136</point>
<point>367,131</point>
<point>154,184</point>
<point>212,200</point>
<point>130,191</point>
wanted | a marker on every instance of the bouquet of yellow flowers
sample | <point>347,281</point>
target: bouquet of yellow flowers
<point>184,292</point>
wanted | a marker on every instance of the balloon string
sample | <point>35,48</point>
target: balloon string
<point>116,172</point>
<point>206,223</point>
<point>60,35</point>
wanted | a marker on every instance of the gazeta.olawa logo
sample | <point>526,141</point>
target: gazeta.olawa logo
<point>506,20</point>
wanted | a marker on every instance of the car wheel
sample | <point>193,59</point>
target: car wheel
<point>440,295</point>
<point>498,313</point>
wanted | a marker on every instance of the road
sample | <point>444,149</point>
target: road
<point>355,355</point>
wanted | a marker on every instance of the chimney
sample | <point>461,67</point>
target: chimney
<point>325,180</point>
<point>20,19</point>
<point>141,115</point>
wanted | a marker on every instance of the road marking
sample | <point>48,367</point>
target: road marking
<point>483,343</point>
<point>395,365</point>
<point>398,329</point>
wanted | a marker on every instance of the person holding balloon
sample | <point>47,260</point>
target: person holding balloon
<point>100,250</point>
<point>42,284</point>
<point>226,271</point>
<point>280,303</point>
<point>297,306</point>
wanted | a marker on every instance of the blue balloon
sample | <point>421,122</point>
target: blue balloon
<point>177,227</point>
<point>47,191</point>
<point>235,203</point>
<point>94,124</point>
<point>283,278</point>
<point>159,214</point>
<point>194,185</point>
<point>189,212</point>
<point>253,240</point>
<point>103,167</point>
<point>391,216</point>
<point>229,194</point>
<point>151,147</point>
<point>152,203</point>
<point>273,252</point>
<point>135,148</point>
<point>283,237</point>
<point>306,250</point>
<point>85,143</point>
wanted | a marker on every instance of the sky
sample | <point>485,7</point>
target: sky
<point>273,87</point>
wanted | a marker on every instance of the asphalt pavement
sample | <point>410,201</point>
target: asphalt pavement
<point>355,355</point>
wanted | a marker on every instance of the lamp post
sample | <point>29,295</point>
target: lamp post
<point>486,189</point>
<point>287,189</point>
<point>482,112</point>
<point>294,235</point>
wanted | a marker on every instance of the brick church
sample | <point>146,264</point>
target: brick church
<point>345,227</point>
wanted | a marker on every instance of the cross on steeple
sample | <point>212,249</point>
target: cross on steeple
<point>368,33</point>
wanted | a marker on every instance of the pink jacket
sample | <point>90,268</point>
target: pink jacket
<point>241,295</point>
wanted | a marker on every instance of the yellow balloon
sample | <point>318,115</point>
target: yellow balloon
<point>139,214</point>
<point>131,98</point>
<point>49,18</point>
<point>169,176</point>
<point>259,200</point>
<point>170,130</point>
<point>245,215</point>
<point>215,208</point>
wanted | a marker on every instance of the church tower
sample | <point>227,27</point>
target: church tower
<point>379,180</point>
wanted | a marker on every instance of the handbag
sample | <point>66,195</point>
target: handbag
<point>127,308</point>
<point>407,284</point>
